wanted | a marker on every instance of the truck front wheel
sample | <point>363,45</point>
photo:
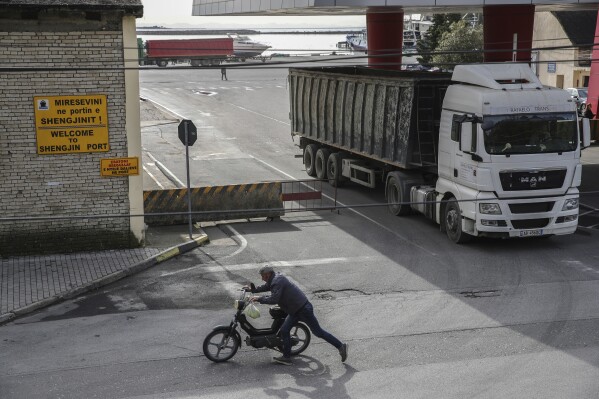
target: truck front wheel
<point>453,222</point>
<point>310,159</point>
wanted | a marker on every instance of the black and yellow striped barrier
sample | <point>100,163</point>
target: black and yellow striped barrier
<point>166,207</point>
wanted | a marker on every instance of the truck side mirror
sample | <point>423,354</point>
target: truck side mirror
<point>586,132</point>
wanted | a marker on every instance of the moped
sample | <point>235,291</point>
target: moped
<point>222,343</point>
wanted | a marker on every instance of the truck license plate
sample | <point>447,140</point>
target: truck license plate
<point>531,233</point>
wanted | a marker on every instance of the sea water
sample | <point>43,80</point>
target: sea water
<point>281,43</point>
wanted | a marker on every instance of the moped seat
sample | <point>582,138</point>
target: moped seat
<point>276,312</point>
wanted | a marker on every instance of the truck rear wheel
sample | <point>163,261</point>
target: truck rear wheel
<point>310,159</point>
<point>334,170</point>
<point>322,156</point>
<point>453,222</point>
<point>162,63</point>
<point>398,202</point>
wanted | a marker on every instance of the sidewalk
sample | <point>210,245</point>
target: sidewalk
<point>28,283</point>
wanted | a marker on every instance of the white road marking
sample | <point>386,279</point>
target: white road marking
<point>258,113</point>
<point>242,241</point>
<point>170,175</point>
<point>274,263</point>
<point>152,176</point>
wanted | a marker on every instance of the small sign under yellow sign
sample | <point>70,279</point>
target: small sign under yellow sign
<point>71,124</point>
<point>111,167</point>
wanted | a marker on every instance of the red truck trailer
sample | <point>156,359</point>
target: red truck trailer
<point>198,52</point>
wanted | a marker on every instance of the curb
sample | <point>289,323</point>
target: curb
<point>111,278</point>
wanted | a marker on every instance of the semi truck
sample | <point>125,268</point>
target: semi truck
<point>198,52</point>
<point>484,151</point>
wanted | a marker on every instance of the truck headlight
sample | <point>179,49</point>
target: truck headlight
<point>569,204</point>
<point>489,209</point>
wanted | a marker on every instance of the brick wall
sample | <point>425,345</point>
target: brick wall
<point>33,185</point>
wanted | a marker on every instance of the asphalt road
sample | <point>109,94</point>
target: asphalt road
<point>423,317</point>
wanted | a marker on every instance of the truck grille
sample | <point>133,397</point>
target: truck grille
<point>532,180</point>
<point>534,207</point>
<point>530,223</point>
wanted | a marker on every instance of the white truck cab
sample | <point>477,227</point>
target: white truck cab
<point>509,155</point>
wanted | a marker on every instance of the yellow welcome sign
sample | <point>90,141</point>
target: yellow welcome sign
<point>71,124</point>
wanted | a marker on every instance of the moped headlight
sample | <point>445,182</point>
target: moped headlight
<point>489,208</point>
<point>569,204</point>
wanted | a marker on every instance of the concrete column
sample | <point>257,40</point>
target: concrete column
<point>385,37</point>
<point>499,26</point>
<point>593,94</point>
<point>136,201</point>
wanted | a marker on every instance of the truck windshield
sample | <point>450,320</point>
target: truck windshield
<point>530,133</point>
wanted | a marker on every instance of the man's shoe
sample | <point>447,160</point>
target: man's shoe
<point>343,352</point>
<point>283,360</point>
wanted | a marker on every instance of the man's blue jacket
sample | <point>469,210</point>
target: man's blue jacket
<point>283,293</point>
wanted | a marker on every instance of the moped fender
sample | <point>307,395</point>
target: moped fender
<point>227,328</point>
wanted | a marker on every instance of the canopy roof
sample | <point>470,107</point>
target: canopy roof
<point>358,7</point>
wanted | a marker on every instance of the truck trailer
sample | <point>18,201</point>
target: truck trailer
<point>485,151</point>
<point>198,52</point>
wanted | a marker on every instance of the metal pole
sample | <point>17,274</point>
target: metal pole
<point>188,180</point>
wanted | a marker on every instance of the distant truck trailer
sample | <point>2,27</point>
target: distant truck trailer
<point>198,52</point>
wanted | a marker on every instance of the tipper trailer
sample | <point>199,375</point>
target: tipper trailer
<point>198,52</point>
<point>485,151</point>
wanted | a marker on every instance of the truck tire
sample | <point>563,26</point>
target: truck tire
<point>322,156</point>
<point>162,63</point>
<point>452,220</point>
<point>336,179</point>
<point>310,159</point>
<point>398,200</point>
<point>195,63</point>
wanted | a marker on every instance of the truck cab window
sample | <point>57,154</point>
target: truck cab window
<point>455,127</point>
<point>530,133</point>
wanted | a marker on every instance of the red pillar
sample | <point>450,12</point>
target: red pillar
<point>385,36</point>
<point>500,24</point>
<point>593,94</point>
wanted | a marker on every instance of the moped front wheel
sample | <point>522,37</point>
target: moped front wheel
<point>300,338</point>
<point>220,345</point>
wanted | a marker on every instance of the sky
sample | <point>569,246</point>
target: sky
<point>177,14</point>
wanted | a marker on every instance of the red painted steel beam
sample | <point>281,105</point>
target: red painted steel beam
<point>593,94</point>
<point>500,24</point>
<point>384,32</point>
<point>308,195</point>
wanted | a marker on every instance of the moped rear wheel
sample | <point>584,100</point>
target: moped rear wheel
<point>220,345</point>
<point>300,338</point>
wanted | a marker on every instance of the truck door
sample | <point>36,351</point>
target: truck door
<point>464,169</point>
<point>449,139</point>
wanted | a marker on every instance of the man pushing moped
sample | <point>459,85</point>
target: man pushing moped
<point>294,302</point>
